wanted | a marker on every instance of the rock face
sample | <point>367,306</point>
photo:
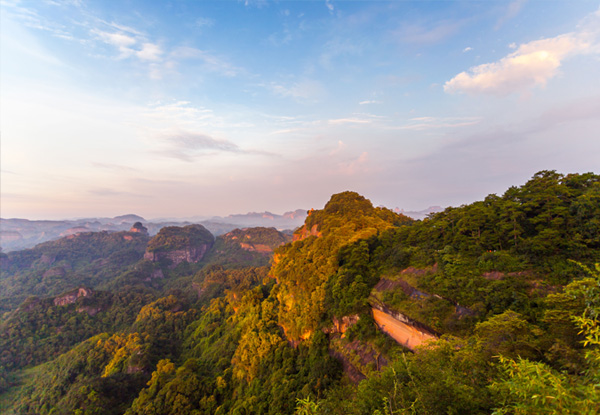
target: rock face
<point>71,297</point>
<point>341,325</point>
<point>261,240</point>
<point>304,232</point>
<point>190,254</point>
<point>402,329</point>
<point>178,244</point>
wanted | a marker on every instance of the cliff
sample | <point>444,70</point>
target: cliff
<point>178,244</point>
<point>305,269</point>
<point>72,296</point>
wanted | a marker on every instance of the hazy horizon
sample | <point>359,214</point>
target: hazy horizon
<point>209,108</point>
<point>199,216</point>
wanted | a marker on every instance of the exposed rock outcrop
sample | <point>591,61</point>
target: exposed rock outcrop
<point>403,329</point>
<point>305,232</point>
<point>261,240</point>
<point>190,254</point>
<point>178,244</point>
<point>72,296</point>
<point>90,310</point>
<point>343,324</point>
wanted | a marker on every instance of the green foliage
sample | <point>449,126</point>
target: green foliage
<point>51,268</point>
<point>448,377</point>
<point>534,388</point>
<point>508,334</point>
<point>306,407</point>
<point>185,390</point>
<point>171,238</point>
<point>233,338</point>
<point>40,331</point>
<point>74,380</point>
<point>246,247</point>
<point>304,268</point>
<point>214,280</point>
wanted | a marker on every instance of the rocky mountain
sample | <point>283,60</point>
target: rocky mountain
<point>491,307</point>
<point>17,234</point>
<point>247,246</point>
<point>175,245</point>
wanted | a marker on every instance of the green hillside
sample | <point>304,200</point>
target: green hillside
<point>509,285</point>
<point>51,268</point>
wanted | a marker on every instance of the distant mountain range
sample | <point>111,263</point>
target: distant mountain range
<point>420,214</point>
<point>17,234</point>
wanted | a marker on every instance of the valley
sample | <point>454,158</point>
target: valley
<point>361,311</point>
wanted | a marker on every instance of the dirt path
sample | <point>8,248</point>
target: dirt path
<point>406,335</point>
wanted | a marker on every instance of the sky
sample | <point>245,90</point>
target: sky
<point>201,108</point>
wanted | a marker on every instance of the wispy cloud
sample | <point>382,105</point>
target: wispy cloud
<point>114,167</point>
<point>306,90</point>
<point>181,114</point>
<point>329,5</point>
<point>369,102</point>
<point>210,62</point>
<point>149,52</point>
<point>188,145</point>
<point>124,42</point>
<point>358,165</point>
<point>34,20</point>
<point>512,10</point>
<point>348,121</point>
<point>532,64</point>
<point>339,47</point>
<point>287,131</point>
<point>428,123</point>
<point>110,192</point>
<point>204,22</point>
<point>427,33</point>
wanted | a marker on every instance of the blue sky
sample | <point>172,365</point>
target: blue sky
<point>184,108</point>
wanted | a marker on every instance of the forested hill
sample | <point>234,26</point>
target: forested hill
<point>508,288</point>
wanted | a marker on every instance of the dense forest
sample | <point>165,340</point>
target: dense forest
<point>501,300</point>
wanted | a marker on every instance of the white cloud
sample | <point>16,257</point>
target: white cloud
<point>211,62</point>
<point>181,114</point>
<point>123,42</point>
<point>348,121</point>
<point>467,49</point>
<point>149,52</point>
<point>329,6</point>
<point>531,64</point>
<point>307,90</point>
<point>369,102</point>
<point>428,123</point>
<point>117,39</point>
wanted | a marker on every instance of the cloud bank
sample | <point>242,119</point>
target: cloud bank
<point>532,64</point>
